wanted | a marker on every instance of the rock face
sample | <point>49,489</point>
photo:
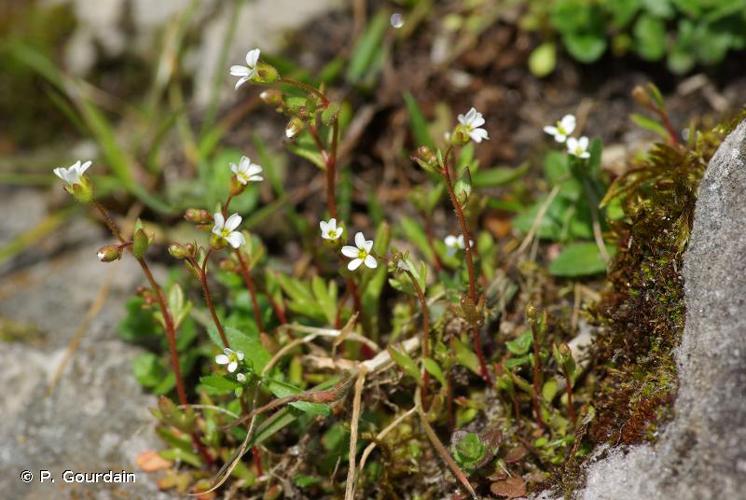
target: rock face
<point>67,406</point>
<point>702,452</point>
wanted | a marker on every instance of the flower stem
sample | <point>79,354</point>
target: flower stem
<point>246,274</point>
<point>169,326</point>
<point>473,298</point>
<point>425,333</point>
<point>536,383</point>
<point>202,274</point>
<point>307,88</point>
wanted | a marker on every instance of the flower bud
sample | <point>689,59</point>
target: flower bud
<point>178,251</point>
<point>265,73</point>
<point>426,159</point>
<point>198,216</point>
<point>273,97</point>
<point>140,243</point>
<point>109,253</point>
<point>641,96</point>
<point>294,127</point>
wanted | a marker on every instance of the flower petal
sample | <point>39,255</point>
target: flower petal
<point>85,166</point>
<point>237,70</point>
<point>222,359</point>
<point>252,57</point>
<point>360,240</point>
<point>233,222</point>
<point>239,355</point>
<point>232,366</point>
<point>354,264</point>
<point>478,135</point>
<point>350,251</point>
<point>371,261</point>
<point>583,142</point>
<point>235,239</point>
<point>256,178</point>
<point>551,130</point>
<point>241,81</point>
<point>324,226</point>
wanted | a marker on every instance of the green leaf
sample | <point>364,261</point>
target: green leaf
<point>550,389</point>
<point>283,389</point>
<point>649,124</point>
<point>433,369</point>
<point>218,385</point>
<point>326,297</point>
<point>148,369</point>
<point>418,123</point>
<point>255,353</point>
<point>466,357</point>
<point>580,259</point>
<point>415,234</point>
<point>543,59</point>
<point>498,176</point>
<point>520,346</point>
<point>650,37</point>
<point>405,362</point>
<point>368,48</point>
<point>586,48</point>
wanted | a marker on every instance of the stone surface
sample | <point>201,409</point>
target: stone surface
<point>702,452</point>
<point>65,406</point>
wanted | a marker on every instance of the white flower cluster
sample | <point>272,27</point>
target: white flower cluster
<point>561,132</point>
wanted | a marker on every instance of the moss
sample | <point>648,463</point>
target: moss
<point>641,314</point>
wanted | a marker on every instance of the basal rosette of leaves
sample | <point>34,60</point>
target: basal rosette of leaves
<point>683,33</point>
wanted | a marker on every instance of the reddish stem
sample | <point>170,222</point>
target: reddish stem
<point>246,273</point>
<point>202,273</point>
<point>476,339</point>
<point>425,334</point>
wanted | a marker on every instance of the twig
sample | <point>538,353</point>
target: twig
<point>379,437</point>
<point>354,423</point>
<point>439,448</point>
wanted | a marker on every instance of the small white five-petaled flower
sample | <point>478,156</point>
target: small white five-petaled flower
<point>246,73</point>
<point>360,253</point>
<point>226,229</point>
<point>473,120</point>
<point>562,129</point>
<point>455,243</point>
<point>246,171</point>
<point>578,147</point>
<point>329,229</point>
<point>73,174</point>
<point>230,358</point>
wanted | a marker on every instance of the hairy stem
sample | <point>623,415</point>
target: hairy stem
<point>202,274</point>
<point>248,280</point>
<point>476,339</point>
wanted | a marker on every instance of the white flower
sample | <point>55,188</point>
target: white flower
<point>241,377</point>
<point>473,120</point>
<point>329,229</point>
<point>578,147</point>
<point>230,358</point>
<point>246,171</point>
<point>562,129</point>
<point>73,174</point>
<point>226,229</point>
<point>247,72</point>
<point>360,253</point>
<point>455,243</point>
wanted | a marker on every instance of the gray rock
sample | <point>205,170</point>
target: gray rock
<point>702,452</point>
<point>67,407</point>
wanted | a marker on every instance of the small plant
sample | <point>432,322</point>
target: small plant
<point>684,33</point>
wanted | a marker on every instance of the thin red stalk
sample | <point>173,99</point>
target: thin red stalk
<point>536,382</point>
<point>246,273</point>
<point>168,324</point>
<point>425,334</point>
<point>570,406</point>
<point>202,273</point>
<point>476,339</point>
